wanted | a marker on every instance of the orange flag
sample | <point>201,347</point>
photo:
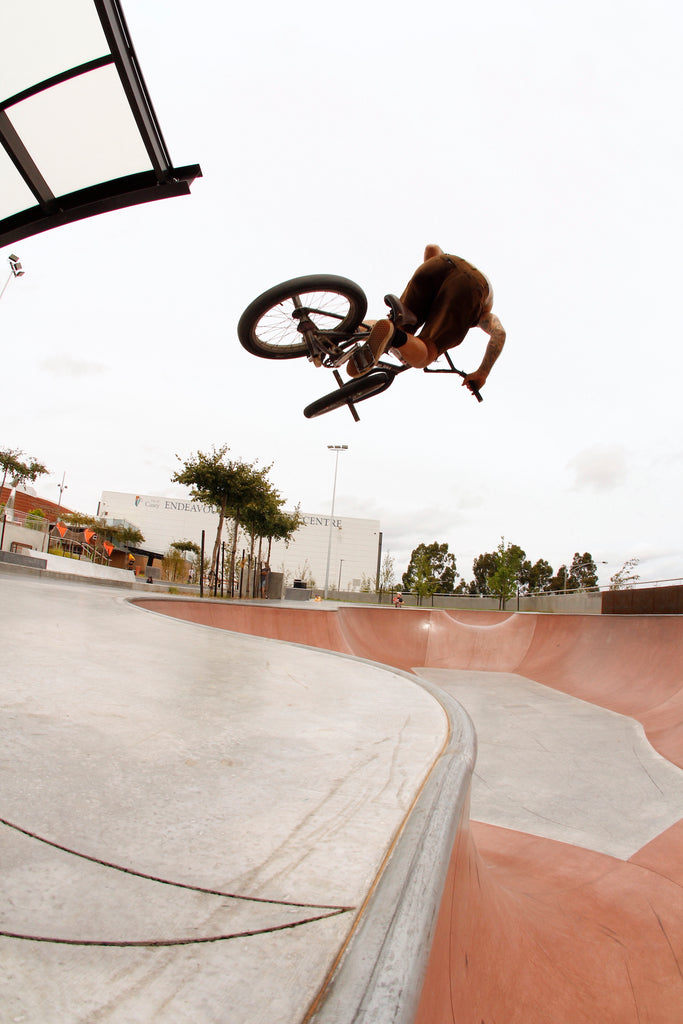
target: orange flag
<point>61,528</point>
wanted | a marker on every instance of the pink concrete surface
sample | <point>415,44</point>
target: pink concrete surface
<point>632,664</point>
<point>531,930</point>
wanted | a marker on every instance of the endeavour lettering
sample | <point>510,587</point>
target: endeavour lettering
<point>188,506</point>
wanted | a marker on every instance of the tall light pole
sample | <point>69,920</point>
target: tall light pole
<point>16,270</point>
<point>336,448</point>
<point>62,487</point>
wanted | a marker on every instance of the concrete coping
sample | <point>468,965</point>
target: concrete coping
<point>380,973</point>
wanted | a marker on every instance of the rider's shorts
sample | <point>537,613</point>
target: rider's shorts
<point>448,296</point>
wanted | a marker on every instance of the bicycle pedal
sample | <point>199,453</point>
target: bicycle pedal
<point>363,358</point>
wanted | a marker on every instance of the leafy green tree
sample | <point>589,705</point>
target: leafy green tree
<point>431,569</point>
<point>231,486</point>
<point>483,567</point>
<point>19,472</point>
<point>625,577</point>
<point>188,547</point>
<point>504,581</point>
<point>35,519</point>
<point>174,565</point>
<point>282,526</point>
<point>122,536</point>
<point>582,574</point>
<point>535,578</point>
<point>185,546</point>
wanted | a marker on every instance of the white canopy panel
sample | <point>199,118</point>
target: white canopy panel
<point>79,134</point>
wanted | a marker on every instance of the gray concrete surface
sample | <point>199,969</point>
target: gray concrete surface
<point>555,766</point>
<point>190,819</point>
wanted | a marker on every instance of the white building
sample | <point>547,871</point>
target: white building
<point>354,544</point>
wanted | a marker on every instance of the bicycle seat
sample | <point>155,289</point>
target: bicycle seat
<point>400,314</point>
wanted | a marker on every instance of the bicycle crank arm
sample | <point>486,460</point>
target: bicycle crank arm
<point>352,408</point>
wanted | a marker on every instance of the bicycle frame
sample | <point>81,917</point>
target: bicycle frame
<point>379,379</point>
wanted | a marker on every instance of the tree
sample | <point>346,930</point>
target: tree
<point>386,573</point>
<point>499,573</point>
<point>505,580</point>
<point>174,565</point>
<point>582,574</point>
<point>625,577</point>
<point>535,578</point>
<point>229,485</point>
<point>483,567</point>
<point>35,519</point>
<point>431,569</point>
<point>19,472</point>
<point>186,547</point>
<point>282,526</point>
<point>122,536</point>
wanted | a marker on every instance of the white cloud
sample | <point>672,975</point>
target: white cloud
<point>72,366</point>
<point>601,467</point>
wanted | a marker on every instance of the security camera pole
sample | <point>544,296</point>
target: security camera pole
<point>16,270</point>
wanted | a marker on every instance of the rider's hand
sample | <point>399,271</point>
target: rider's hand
<point>476,380</point>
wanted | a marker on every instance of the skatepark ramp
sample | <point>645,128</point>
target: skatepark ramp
<point>472,922</point>
<point>632,665</point>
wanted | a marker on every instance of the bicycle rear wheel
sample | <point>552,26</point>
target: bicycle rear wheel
<point>351,392</point>
<point>269,325</point>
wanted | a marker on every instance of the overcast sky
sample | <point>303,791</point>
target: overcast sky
<point>540,140</point>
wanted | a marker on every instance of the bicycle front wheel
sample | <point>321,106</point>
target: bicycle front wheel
<point>350,393</point>
<point>269,325</point>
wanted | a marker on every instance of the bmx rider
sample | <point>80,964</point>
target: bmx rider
<point>446,296</point>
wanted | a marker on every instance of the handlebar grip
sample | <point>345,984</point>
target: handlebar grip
<point>475,391</point>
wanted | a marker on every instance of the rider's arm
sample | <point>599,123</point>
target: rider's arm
<point>492,326</point>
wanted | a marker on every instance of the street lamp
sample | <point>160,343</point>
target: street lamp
<point>336,448</point>
<point>16,270</point>
<point>62,487</point>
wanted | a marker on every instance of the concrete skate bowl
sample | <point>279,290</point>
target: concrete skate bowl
<point>529,929</point>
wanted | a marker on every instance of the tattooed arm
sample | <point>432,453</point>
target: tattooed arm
<point>492,326</point>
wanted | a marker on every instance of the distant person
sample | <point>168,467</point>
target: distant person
<point>265,573</point>
<point>445,297</point>
<point>398,599</point>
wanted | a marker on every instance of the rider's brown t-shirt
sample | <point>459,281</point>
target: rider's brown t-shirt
<point>448,296</point>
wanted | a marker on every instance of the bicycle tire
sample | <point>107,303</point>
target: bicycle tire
<point>352,391</point>
<point>268,329</point>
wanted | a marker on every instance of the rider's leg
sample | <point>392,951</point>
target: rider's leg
<point>417,352</point>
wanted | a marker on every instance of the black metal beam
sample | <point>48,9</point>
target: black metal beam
<point>22,160</point>
<point>118,37</point>
<point>131,190</point>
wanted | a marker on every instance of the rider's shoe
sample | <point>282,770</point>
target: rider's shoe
<point>369,354</point>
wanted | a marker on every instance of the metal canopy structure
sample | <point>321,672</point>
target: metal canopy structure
<point>78,131</point>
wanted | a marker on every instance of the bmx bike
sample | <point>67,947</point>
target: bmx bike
<point>321,317</point>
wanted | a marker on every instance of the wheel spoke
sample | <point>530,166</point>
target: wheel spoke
<point>279,326</point>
